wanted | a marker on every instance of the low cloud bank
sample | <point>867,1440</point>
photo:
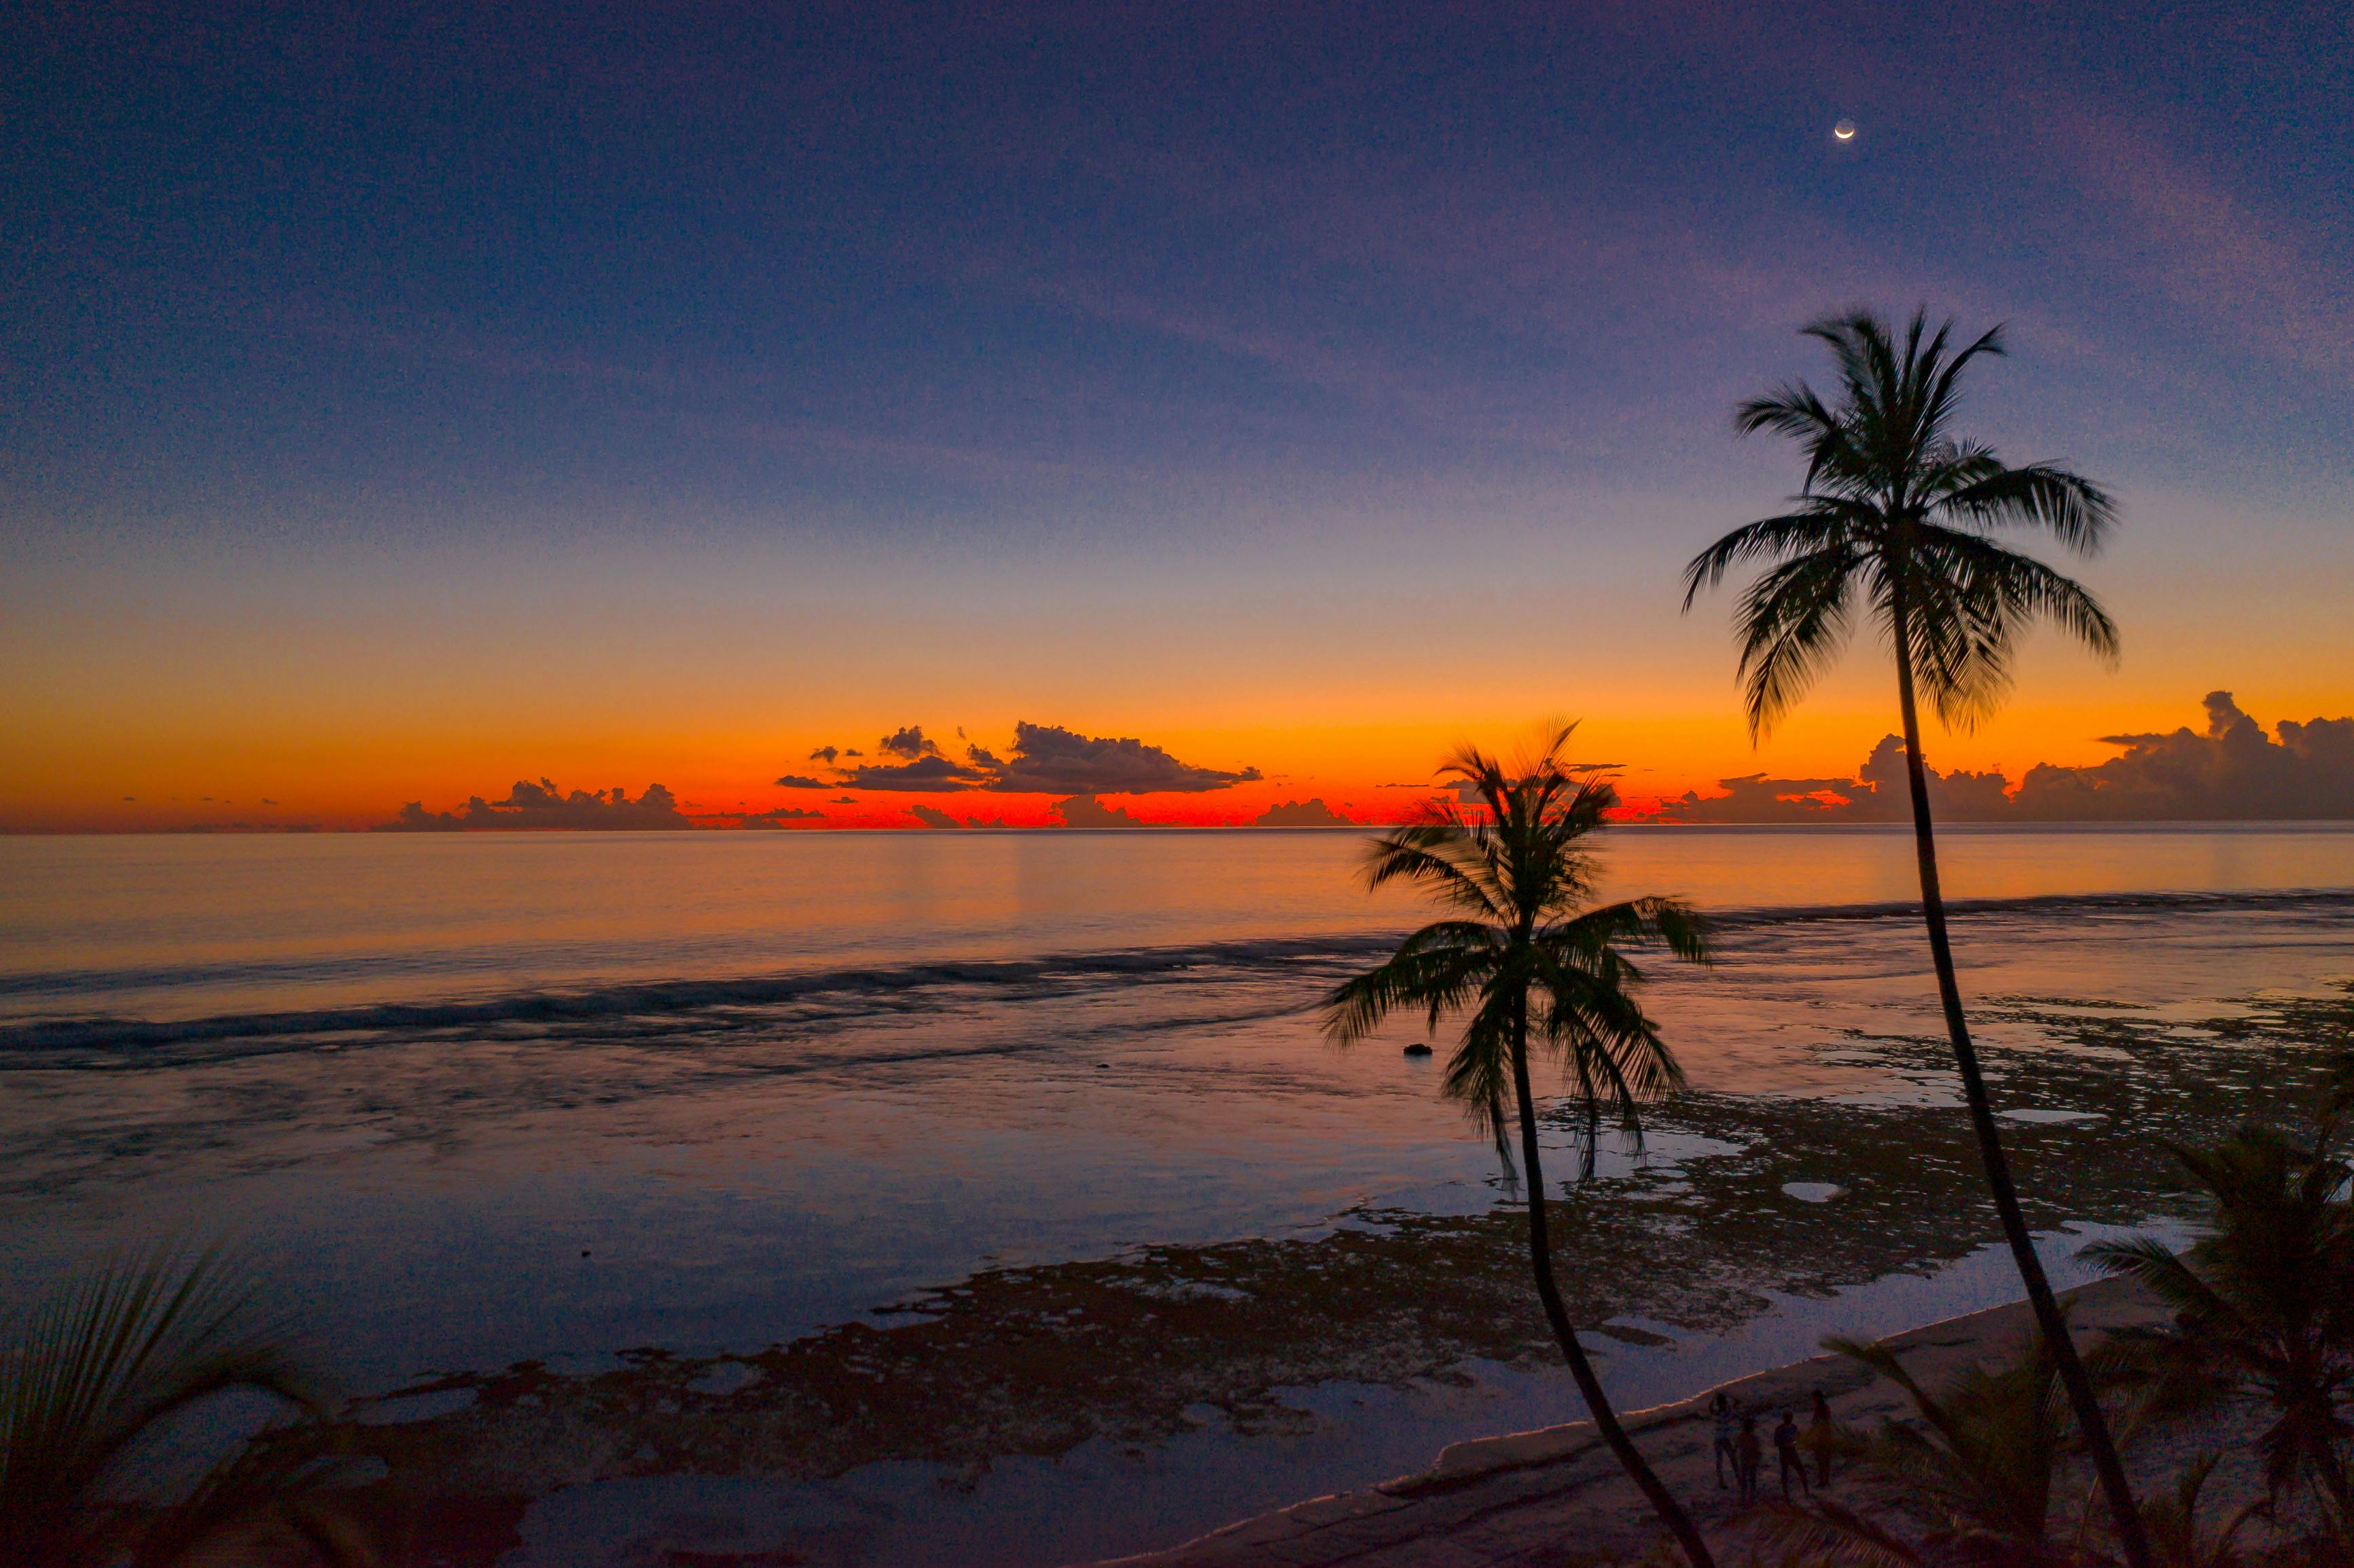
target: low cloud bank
<point>778,816</point>
<point>2235,771</point>
<point>1045,760</point>
<point>1312,813</point>
<point>1087,811</point>
<point>543,805</point>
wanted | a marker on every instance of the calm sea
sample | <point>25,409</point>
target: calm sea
<point>480,1099</point>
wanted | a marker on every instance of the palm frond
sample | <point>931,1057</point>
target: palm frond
<point>2072,508</point>
<point>1793,621</point>
<point>1894,497</point>
<point>1827,1534</point>
<point>91,1371</point>
<point>1435,971</point>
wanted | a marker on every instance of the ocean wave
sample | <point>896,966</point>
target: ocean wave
<point>43,1042</point>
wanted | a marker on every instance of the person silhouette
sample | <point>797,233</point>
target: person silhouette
<point>1750,1458</point>
<point>1822,1438</point>
<point>1786,1451</point>
<point>1720,1411</point>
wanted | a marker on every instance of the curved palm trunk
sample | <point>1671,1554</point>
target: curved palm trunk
<point>2123,1514</point>
<point>1630,1457</point>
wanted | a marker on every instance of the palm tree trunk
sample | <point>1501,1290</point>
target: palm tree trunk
<point>2124,1515</point>
<point>1630,1457</point>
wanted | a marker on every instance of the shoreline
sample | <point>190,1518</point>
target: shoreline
<point>1497,1500</point>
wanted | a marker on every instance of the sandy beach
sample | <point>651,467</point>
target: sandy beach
<point>1556,1496</point>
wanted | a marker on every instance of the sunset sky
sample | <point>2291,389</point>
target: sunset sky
<point>399,402</point>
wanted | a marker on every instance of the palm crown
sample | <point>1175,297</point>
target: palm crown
<point>1898,513</point>
<point>1527,956</point>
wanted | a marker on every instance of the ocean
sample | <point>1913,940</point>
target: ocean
<point>752,1105</point>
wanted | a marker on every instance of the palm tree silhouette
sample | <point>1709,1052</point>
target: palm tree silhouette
<point>90,1375</point>
<point>2264,1304</point>
<point>1528,956</point>
<point>1897,517</point>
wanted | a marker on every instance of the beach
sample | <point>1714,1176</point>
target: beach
<point>1558,1495</point>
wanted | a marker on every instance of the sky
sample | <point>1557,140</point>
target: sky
<point>397,403</point>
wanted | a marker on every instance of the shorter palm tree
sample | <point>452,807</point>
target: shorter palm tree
<point>92,1374</point>
<point>2262,1304</point>
<point>1530,962</point>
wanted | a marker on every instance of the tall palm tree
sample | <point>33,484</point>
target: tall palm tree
<point>1897,518</point>
<point>1526,959</point>
<point>2264,1303</point>
<point>89,1376</point>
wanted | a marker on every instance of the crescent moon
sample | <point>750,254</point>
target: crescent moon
<point>1844,130</point>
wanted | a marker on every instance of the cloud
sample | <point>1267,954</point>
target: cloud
<point>925,775</point>
<point>909,742</point>
<point>931,817</point>
<point>2233,772</point>
<point>1050,760</point>
<point>778,816</point>
<point>799,782</point>
<point>1087,811</point>
<point>844,801</point>
<point>543,805</point>
<point>825,754</point>
<point>1312,813</point>
<point>1045,760</point>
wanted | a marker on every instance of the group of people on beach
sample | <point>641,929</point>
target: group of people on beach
<point>1738,1444</point>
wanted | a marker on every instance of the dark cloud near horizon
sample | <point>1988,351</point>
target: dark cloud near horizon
<point>910,741</point>
<point>778,816</point>
<point>2233,772</point>
<point>1311,814</point>
<point>801,782</point>
<point>543,805</point>
<point>1046,759</point>
<point>933,817</point>
<point>1087,811</point>
<point>925,775</point>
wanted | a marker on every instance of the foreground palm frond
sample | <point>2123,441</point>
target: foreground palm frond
<point>1978,1470</point>
<point>94,1372</point>
<point>2262,1304</point>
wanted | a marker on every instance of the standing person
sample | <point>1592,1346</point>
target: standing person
<point>1720,1409</point>
<point>1786,1452</point>
<point>1749,1458</point>
<point>1822,1437</point>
